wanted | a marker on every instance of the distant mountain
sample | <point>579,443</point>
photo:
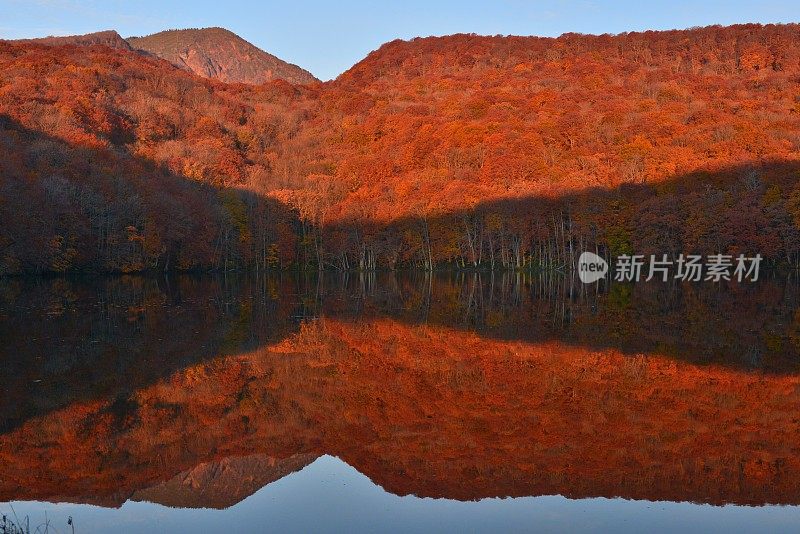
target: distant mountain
<point>220,54</point>
<point>108,38</point>
<point>223,483</point>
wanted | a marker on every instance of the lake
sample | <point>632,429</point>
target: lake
<point>399,402</point>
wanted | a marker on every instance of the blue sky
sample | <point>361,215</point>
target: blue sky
<point>329,37</point>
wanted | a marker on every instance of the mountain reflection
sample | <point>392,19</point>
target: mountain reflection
<point>196,391</point>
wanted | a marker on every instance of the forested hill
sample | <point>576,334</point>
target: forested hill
<point>494,152</point>
<point>468,118</point>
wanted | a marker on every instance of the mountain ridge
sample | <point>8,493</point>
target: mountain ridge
<point>223,483</point>
<point>214,53</point>
<point>220,54</point>
<point>109,38</point>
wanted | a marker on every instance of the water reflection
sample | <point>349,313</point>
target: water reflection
<point>329,495</point>
<point>198,391</point>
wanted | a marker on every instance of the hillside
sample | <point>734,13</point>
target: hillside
<point>121,162</point>
<point>485,150</point>
<point>219,54</point>
<point>437,124</point>
<point>469,151</point>
<point>108,38</point>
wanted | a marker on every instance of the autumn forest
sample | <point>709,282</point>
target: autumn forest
<point>461,152</point>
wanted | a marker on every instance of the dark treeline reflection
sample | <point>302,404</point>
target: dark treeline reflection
<point>73,339</point>
<point>68,339</point>
<point>744,325</point>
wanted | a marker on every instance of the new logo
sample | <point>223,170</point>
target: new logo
<point>591,267</point>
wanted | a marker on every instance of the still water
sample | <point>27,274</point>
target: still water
<point>399,403</point>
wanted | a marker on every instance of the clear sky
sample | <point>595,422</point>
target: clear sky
<point>329,37</point>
